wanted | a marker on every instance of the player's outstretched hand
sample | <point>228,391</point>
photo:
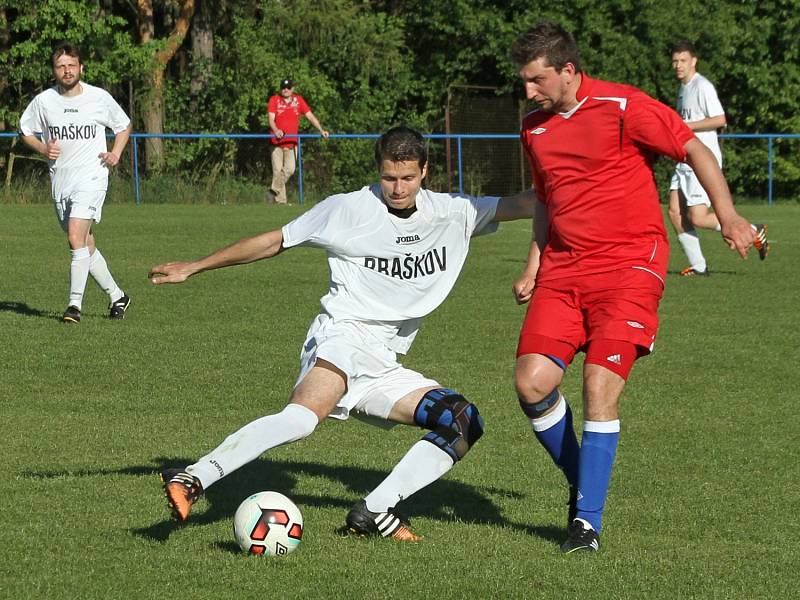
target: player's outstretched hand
<point>172,272</point>
<point>523,288</point>
<point>739,235</point>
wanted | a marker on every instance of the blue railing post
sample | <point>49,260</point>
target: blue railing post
<point>460,173</point>
<point>300,170</point>
<point>769,152</point>
<point>136,170</point>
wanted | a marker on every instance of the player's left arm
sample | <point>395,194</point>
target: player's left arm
<point>111,159</point>
<point>518,206</point>
<point>247,250</point>
<point>736,231</point>
<point>315,122</point>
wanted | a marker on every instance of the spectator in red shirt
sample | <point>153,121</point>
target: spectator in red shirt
<point>284,111</point>
<point>596,267</point>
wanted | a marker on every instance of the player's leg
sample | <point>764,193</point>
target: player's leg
<point>289,167</point>
<point>278,185</point>
<point>550,415</point>
<point>547,343</point>
<point>78,237</point>
<point>684,187</point>
<point>98,267</point>
<point>701,215</point>
<point>601,392</point>
<point>622,322</point>
<point>312,400</point>
<point>455,426</point>
<point>675,213</point>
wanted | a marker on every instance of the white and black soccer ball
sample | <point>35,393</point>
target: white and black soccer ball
<point>268,524</point>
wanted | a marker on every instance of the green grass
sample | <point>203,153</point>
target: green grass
<point>702,502</point>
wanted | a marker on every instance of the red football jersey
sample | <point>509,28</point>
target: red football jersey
<point>592,169</point>
<point>287,117</point>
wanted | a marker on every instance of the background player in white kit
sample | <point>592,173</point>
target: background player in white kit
<point>689,205</point>
<point>394,252</point>
<point>72,117</point>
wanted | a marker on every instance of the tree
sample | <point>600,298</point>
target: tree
<point>162,53</point>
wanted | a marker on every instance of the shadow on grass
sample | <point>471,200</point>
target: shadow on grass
<point>443,500</point>
<point>23,309</point>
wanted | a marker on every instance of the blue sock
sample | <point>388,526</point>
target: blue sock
<point>598,448</point>
<point>556,434</point>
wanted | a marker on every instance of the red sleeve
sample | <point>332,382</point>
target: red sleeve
<point>538,181</point>
<point>272,104</point>
<point>302,105</point>
<point>657,127</point>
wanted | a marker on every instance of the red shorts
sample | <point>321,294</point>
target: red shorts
<point>613,317</point>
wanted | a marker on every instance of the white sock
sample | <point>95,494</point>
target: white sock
<point>293,423</point>
<point>98,269</point>
<point>78,274</point>
<point>691,247</point>
<point>423,464</point>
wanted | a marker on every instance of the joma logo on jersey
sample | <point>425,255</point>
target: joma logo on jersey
<point>70,110</point>
<point>406,239</point>
<point>73,132</point>
<point>410,267</point>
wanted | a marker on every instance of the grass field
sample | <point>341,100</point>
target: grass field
<point>702,503</point>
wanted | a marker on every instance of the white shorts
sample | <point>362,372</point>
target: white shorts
<point>685,180</point>
<point>80,205</point>
<point>375,380</point>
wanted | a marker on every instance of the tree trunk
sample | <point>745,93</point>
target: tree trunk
<point>202,47</point>
<point>153,105</point>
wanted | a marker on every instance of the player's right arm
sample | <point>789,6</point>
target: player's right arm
<point>247,250</point>
<point>736,231</point>
<point>708,124</point>
<point>50,150</point>
<point>523,287</point>
<point>274,126</point>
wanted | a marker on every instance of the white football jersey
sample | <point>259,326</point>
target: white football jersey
<point>698,100</point>
<point>79,124</point>
<point>388,273</point>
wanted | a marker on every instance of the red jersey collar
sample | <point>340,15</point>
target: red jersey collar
<point>587,83</point>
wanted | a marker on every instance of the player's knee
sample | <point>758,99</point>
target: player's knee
<point>536,410</point>
<point>455,423</point>
<point>533,385</point>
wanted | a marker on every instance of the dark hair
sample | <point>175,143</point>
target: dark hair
<point>401,144</point>
<point>684,46</point>
<point>65,48</point>
<point>547,40</point>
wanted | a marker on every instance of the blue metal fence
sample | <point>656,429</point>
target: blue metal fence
<point>458,137</point>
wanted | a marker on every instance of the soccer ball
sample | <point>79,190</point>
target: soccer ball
<point>269,524</point>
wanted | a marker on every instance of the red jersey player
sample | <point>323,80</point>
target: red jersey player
<point>596,267</point>
<point>284,111</point>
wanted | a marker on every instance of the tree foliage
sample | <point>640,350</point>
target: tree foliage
<point>364,65</point>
